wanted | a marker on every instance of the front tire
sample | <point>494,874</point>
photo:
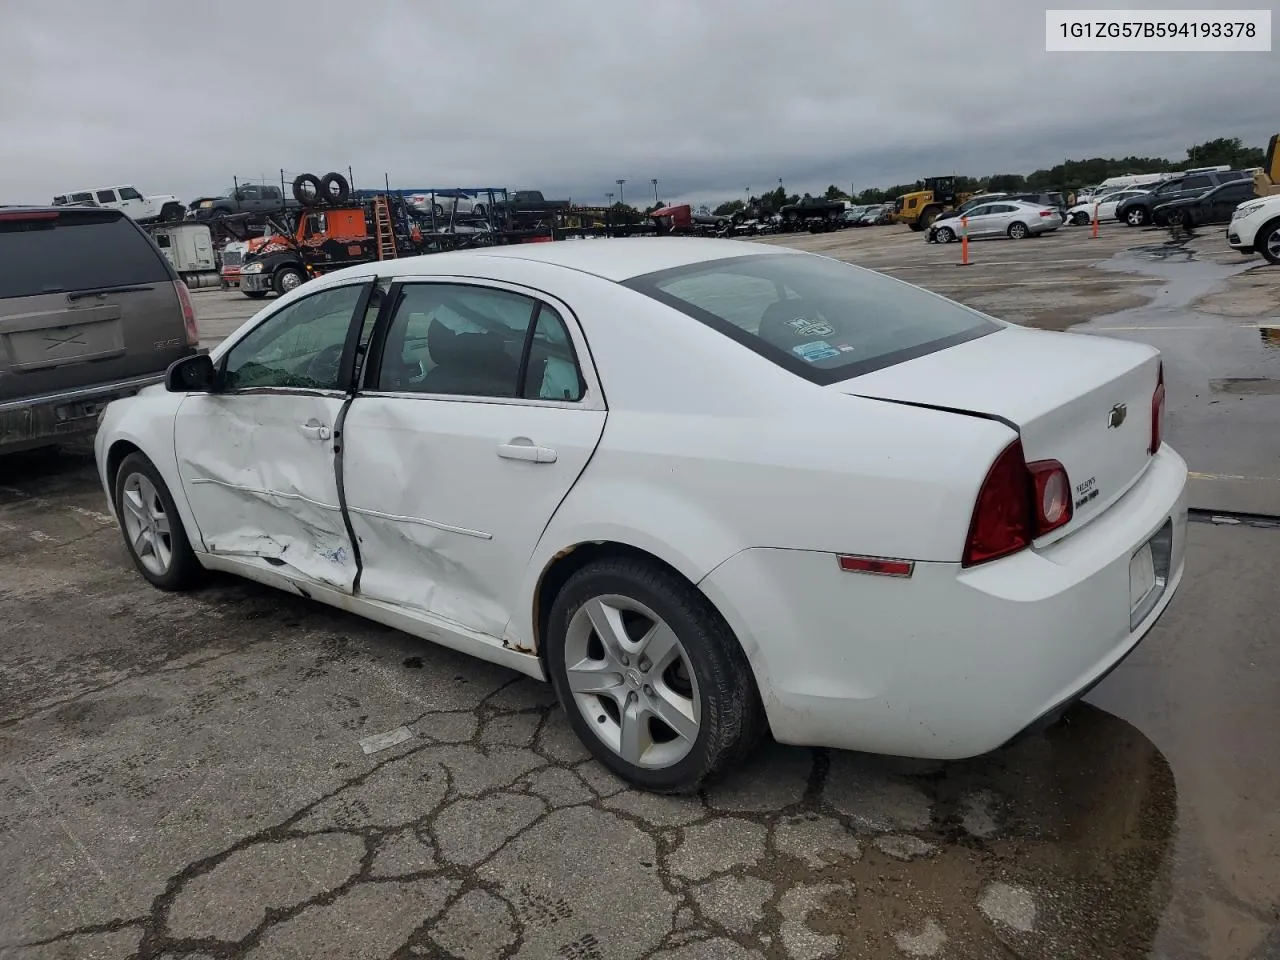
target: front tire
<point>652,679</point>
<point>286,280</point>
<point>152,526</point>
<point>1267,242</point>
<point>944,235</point>
<point>1018,231</point>
<point>1080,218</point>
<point>1137,217</point>
<point>254,294</point>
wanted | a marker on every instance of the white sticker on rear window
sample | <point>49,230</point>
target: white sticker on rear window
<point>818,350</point>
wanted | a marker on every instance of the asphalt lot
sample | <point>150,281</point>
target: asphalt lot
<point>184,776</point>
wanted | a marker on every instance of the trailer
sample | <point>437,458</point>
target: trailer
<point>188,247</point>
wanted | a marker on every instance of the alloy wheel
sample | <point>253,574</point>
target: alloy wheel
<point>1272,243</point>
<point>632,680</point>
<point>147,524</point>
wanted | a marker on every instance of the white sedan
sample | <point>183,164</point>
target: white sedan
<point>704,487</point>
<point>1106,204</point>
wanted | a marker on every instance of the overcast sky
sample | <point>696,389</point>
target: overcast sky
<point>709,96</point>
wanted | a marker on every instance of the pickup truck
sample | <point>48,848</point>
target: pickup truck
<point>246,198</point>
<point>527,207</point>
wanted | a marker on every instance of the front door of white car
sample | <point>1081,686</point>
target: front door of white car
<point>479,411</point>
<point>256,457</point>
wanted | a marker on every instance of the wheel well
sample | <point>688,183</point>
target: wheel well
<point>566,564</point>
<point>115,456</point>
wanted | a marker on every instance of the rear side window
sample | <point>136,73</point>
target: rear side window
<point>822,319</point>
<point>106,196</point>
<point>76,252</point>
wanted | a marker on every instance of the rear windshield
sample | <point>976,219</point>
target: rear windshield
<point>76,252</point>
<point>822,319</point>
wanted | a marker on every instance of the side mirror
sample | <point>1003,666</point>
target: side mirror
<point>191,375</point>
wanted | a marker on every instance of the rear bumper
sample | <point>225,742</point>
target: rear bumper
<point>949,663</point>
<point>57,417</point>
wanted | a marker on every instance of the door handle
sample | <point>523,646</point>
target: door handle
<point>314,431</point>
<point>522,448</point>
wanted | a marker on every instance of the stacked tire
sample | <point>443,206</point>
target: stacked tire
<point>331,190</point>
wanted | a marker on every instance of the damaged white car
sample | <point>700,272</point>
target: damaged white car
<point>704,487</point>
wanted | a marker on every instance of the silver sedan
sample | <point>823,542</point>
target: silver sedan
<point>1016,219</point>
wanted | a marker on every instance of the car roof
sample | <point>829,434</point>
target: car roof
<point>63,211</point>
<point>616,259</point>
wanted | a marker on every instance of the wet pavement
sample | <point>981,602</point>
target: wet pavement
<point>241,773</point>
<point>1222,373</point>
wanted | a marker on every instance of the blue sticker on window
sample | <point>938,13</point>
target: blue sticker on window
<point>818,350</point>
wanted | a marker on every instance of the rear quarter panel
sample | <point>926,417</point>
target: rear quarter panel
<point>709,449</point>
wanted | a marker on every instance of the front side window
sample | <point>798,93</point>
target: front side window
<point>819,318</point>
<point>299,347</point>
<point>128,193</point>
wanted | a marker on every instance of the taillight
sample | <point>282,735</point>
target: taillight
<point>188,312</point>
<point>1046,213</point>
<point>1157,412</point>
<point>1018,501</point>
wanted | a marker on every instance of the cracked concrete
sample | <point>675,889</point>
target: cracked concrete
<point>185,779</point>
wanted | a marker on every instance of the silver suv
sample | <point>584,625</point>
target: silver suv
<point>90,310</point>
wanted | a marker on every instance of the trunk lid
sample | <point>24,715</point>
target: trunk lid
<point>1084,401</point>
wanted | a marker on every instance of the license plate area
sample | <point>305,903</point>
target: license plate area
<point>1149,574</point>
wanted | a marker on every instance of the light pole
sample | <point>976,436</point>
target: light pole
<point>621,200</point>
<point>610,196</point>
<point>748,193</point>
<point>654,181</point>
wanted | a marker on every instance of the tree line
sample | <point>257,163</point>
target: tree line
<point>1066,176</point>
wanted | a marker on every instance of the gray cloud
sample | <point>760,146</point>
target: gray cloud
<point>569,95</point>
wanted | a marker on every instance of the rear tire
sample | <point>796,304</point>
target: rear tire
<point>1267,242</point>
<point>152,526</point>
<point>1018,231</point>
<point>705,672</point>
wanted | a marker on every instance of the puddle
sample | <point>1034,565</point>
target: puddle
<point>1222,370</point>
<point>1252,386</point>
<point>1170,250</point>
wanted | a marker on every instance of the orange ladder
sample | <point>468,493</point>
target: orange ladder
<point>383,229</point>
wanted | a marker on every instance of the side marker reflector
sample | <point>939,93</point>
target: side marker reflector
<point>878,565</point>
